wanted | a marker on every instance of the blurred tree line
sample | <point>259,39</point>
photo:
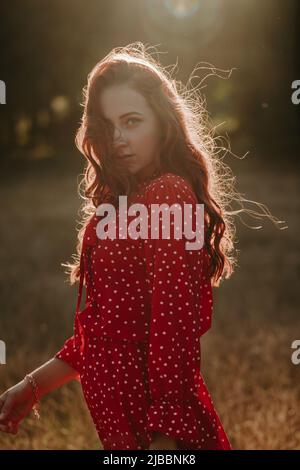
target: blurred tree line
<point>48,49</point>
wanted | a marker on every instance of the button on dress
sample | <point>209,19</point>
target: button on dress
<point>136,341</point>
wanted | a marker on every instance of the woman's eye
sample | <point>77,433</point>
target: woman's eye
<point>132,120</point>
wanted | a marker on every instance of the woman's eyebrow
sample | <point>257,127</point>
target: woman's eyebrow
<point>126,114</point>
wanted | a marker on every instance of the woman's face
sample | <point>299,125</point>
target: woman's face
<point>136,129</point>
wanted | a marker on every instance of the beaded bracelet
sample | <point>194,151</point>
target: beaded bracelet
<point>34,386</point>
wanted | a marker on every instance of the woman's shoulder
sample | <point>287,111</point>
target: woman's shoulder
<point>89,235</point>
<point>169,187</point>
<point>169,179</point>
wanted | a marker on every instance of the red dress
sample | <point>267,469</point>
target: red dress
<point>136,342</point>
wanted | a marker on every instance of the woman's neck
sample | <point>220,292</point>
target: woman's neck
<point>147,173</point>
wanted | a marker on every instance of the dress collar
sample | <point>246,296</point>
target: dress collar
<point>149,178</point>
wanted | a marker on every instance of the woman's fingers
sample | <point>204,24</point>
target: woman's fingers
<point>3,427</point>
<point>10,427</point>
<point>2,401</point>
<point>14,428</point>
<point>6,408</point>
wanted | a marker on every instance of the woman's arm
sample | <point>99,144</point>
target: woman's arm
<point>17,401</point>
<point>52,374</point>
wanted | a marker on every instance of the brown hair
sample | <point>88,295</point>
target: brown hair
<point>189,149</point>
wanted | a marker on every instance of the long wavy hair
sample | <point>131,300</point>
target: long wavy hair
<point>189,149</point>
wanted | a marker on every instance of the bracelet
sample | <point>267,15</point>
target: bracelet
<point>34,387</point>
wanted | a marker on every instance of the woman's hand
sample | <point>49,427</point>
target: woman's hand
<point>163,442</point>
<point>15,404</point>
<point>18,401</point>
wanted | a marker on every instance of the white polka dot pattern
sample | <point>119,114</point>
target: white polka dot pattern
<point>147,304</point>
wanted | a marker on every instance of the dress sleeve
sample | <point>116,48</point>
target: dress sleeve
<point>70,353</point>
<point>181,307</point>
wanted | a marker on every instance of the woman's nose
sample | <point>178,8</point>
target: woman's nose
<point>118,135</point>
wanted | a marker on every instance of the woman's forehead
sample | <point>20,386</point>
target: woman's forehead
<point>119,100</point>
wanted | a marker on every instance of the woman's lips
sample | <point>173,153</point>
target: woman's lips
<point>125,157</point>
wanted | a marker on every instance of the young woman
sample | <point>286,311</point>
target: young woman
<point>135,348</point>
